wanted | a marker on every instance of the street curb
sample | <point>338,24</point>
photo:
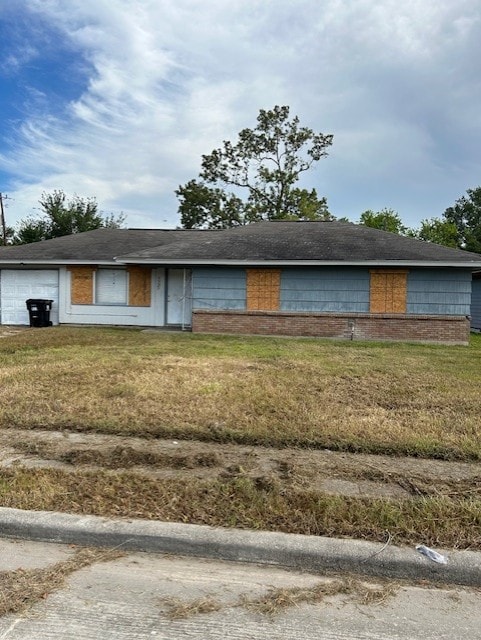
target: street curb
<point>309,553</point>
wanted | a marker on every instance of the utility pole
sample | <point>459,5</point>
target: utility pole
<point>2,219</point>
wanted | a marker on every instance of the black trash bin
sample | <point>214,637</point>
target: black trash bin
<point>39,312</point>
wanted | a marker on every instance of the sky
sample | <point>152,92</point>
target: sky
<point>119,99</point>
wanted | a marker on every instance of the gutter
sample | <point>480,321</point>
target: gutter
<point>301,263</point>
<point>118,260</point>
<point>56,263</point>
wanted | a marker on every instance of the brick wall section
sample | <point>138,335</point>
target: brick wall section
<point>443,329</point>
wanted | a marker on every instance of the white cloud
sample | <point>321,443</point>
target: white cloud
<point>170,79</point>
<point>11,64</point>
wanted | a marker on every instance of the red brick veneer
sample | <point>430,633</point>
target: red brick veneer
<point>356,326</point>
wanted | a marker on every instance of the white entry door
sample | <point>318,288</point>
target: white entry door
<point>18,285</point>
<point>179,297</point>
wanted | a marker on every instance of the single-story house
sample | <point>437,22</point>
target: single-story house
<point>328,279</point>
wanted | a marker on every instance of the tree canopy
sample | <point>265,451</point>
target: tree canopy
<point>465,215</point>
<point>265,163</point>
<point>437,231</point>
<point>201,206</point>
<point>386,219</point>
<point>459,227</point>
<point>62,217</point>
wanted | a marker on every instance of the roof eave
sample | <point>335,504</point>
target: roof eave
<point>248,263</point>
<point>54,263</point>
<point>303,263</point>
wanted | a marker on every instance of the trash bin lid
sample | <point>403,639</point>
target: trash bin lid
<point>38,303</point>
<point>38,300</point>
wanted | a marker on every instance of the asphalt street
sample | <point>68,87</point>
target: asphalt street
<point>131,598</point>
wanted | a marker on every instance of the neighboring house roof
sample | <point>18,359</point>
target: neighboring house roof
<point>282,242</point>
<point>97,246</point>
<point>263,243</point>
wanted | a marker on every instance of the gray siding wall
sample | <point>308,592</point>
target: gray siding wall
<point>439,292</point>
<point>219,288</point>
<point>476,305</point>
<point>325,289</point>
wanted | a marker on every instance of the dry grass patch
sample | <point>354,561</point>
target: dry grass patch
<point>277,600</point>
<point>126,457</point>
<point>22,588</point>
<point>178,609</point>
<point>249,503</point>
<point>118,456</point>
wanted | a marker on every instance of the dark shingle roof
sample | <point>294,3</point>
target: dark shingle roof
<point>302,241</point>
<point>98,245</point>
<point>261,243</point>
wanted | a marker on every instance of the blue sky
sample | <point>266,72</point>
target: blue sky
<point>119,100</point>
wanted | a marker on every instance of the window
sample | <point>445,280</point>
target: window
<point>263,289</point>
<point>140,284</point>
<point>81,284</point>
<point>93,285</point>
<point>111,286</point>
<point>388,291</point>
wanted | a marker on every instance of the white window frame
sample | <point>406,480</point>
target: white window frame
<point>116,298</point>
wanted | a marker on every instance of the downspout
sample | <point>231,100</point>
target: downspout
<point>183,301</point>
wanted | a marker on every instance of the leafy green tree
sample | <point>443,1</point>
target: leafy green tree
<point>9,235</point>
<point>203,207</point>
<point>62,217</point>
<point>31,230</point>
<point>305,205</point>
<point>386,220</point>
<point>265,163</point>
<point>437,231</point>
<point>466,216</point>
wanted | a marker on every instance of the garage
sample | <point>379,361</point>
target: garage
<point>18,285</point>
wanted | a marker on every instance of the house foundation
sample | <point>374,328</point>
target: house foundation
<point>349,326</point>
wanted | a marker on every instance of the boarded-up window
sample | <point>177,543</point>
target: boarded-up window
<point>111,286</point>
<point>263,289</point>
<point>388,291</point>
<point>139,286</point>
<point>81,285</point>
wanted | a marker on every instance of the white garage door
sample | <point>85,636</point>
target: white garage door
<point>17,286</point>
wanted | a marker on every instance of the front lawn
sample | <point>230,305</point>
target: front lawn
<point>372,397</point>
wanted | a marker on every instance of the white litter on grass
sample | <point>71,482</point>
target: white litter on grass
<point>431,554</point>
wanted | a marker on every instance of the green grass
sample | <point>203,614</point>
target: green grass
<point>420,400</point>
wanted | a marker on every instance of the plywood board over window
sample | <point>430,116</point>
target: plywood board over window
<point>140,279</point>
<point>81,285</point>
<point>263,289</point>
<point>388,291</point>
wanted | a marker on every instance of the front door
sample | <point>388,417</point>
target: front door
<point>179,297</point>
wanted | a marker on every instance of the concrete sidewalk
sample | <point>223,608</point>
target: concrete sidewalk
<point>145,596</point>
<point>309,553</point>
